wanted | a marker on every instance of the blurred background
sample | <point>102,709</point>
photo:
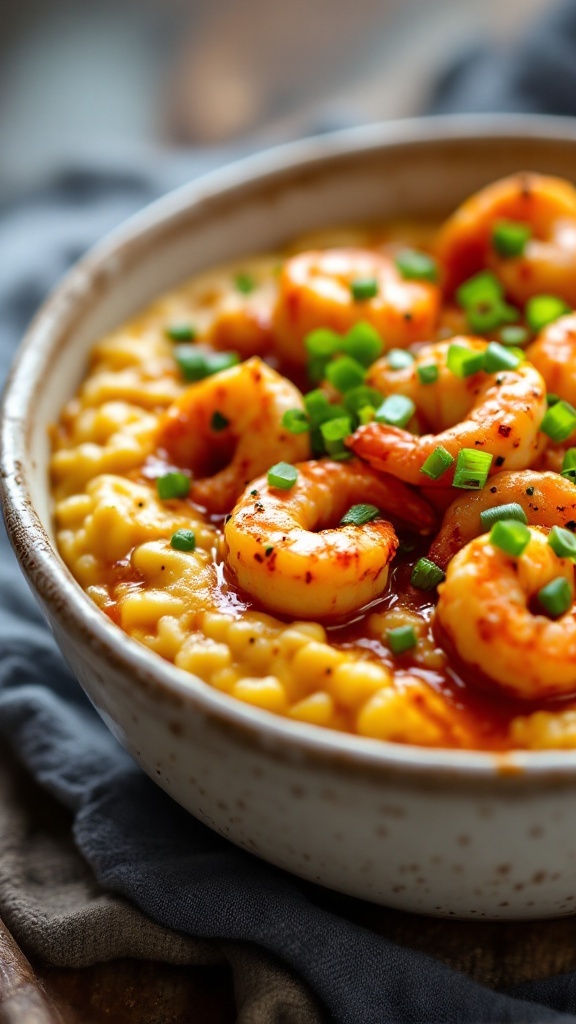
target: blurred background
<point>84,83</point>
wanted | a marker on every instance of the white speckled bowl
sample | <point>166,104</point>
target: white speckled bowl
<point>439,832</point>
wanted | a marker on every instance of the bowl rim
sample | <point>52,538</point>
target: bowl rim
<point>54,584</point>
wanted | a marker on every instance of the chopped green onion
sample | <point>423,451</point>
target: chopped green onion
<point>497,358</point>
<point>463,361</point>
<point>245,283</point>
<point>509,237</point>
<point>219,422</point>
<point>542,310</point>
<point>317,406</point>
<point>317,369</point>
<point>552,399</point>
<point>396,410</point>
<point>437,463</point>
<point>366,414</point>
<point>428,374</point>
<point>556,597</point>
<point>482,288</point>
<point>334,432</point>
<point>296,421</point>
<point>569,465</point>
<point>183,540</point>
<point>358,515</point>
<point>360,397</point>
<point>401,639</point>
<point>416,266</point>
<point>345,373</point>
<point>180,332</point>
<point>514,335</point>
<point>363,343</point>
<point>323,343</point>
<point>364,288</point>
<point>559,421</point>
<point>562,542</point>
<point>512,510</point>
<point>511,536</point>
<point>472,468</point>
<point>173,485</point>
<point>399,358</point>
<point>426,574</point>
<point>283,476</point>
<point>196,365</point>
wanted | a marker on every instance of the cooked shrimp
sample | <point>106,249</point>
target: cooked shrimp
<point>233,418</point>
<point>548,263</point>
<point>554,355</point>
<point>548,500</point>
<point>315,291</point>
<point>484,613</point>
<point>498,413</point>
<point>286,550</point>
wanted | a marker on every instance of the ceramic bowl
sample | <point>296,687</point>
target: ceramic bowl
<point>436,831</point>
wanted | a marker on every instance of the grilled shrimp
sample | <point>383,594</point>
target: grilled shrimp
<point>554,355</point>
<point>287,551</point>
<point>485,613</point>
<point>315,291</point>
<point>233,418</point>
<point>548,500</point>
<point>548,262</point>
<point>499,413</point>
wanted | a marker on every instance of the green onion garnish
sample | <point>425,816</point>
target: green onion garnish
<point>322,343</point>
<point>488,316</point>
<point>363,343</point>
<point>426,574</point>
<point>334,432</point>
<point>364,288</point>
<point>345,373</point>
<point>509,237</point>
<point>357,515</point>
<point>296,421</point>
<point>317,406</point>
<point>551,398</point>
<point>569,465</point>
<point>219,422</point>
<point>428,374</point>
<point>366,414</point>
<point>437,463</point>
<point>482,288</point>
<point>562,542</point>
<point>416,266</point>
<point>361,397</point>
<point>472,468</point>
<point>510,511</point>
<point>180,332</point>
<point>514,335</point>
<point>497,358</point>
<point>244,283</point>
<point>283,476</point>
<point>196,365</point>
<point>559,421</point>
<point>399,358</point>
<point>556,597</point>
<point>463,362</point>
<point>317,369</point>
<point>396,410</point>
<point>173,485</point>
<point>542,310</point>
<point>401,639</point>
<point>183,540</point>
<point>510,536</point>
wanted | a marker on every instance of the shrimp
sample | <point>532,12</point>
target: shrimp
<point>231,419</point>
<point>548,262</point>
<point>315,291</point>
<point>498,413</point>
<point>484,613</point>
<point>554,355</point>
<point>547,499</point>
<point>279,558</point>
